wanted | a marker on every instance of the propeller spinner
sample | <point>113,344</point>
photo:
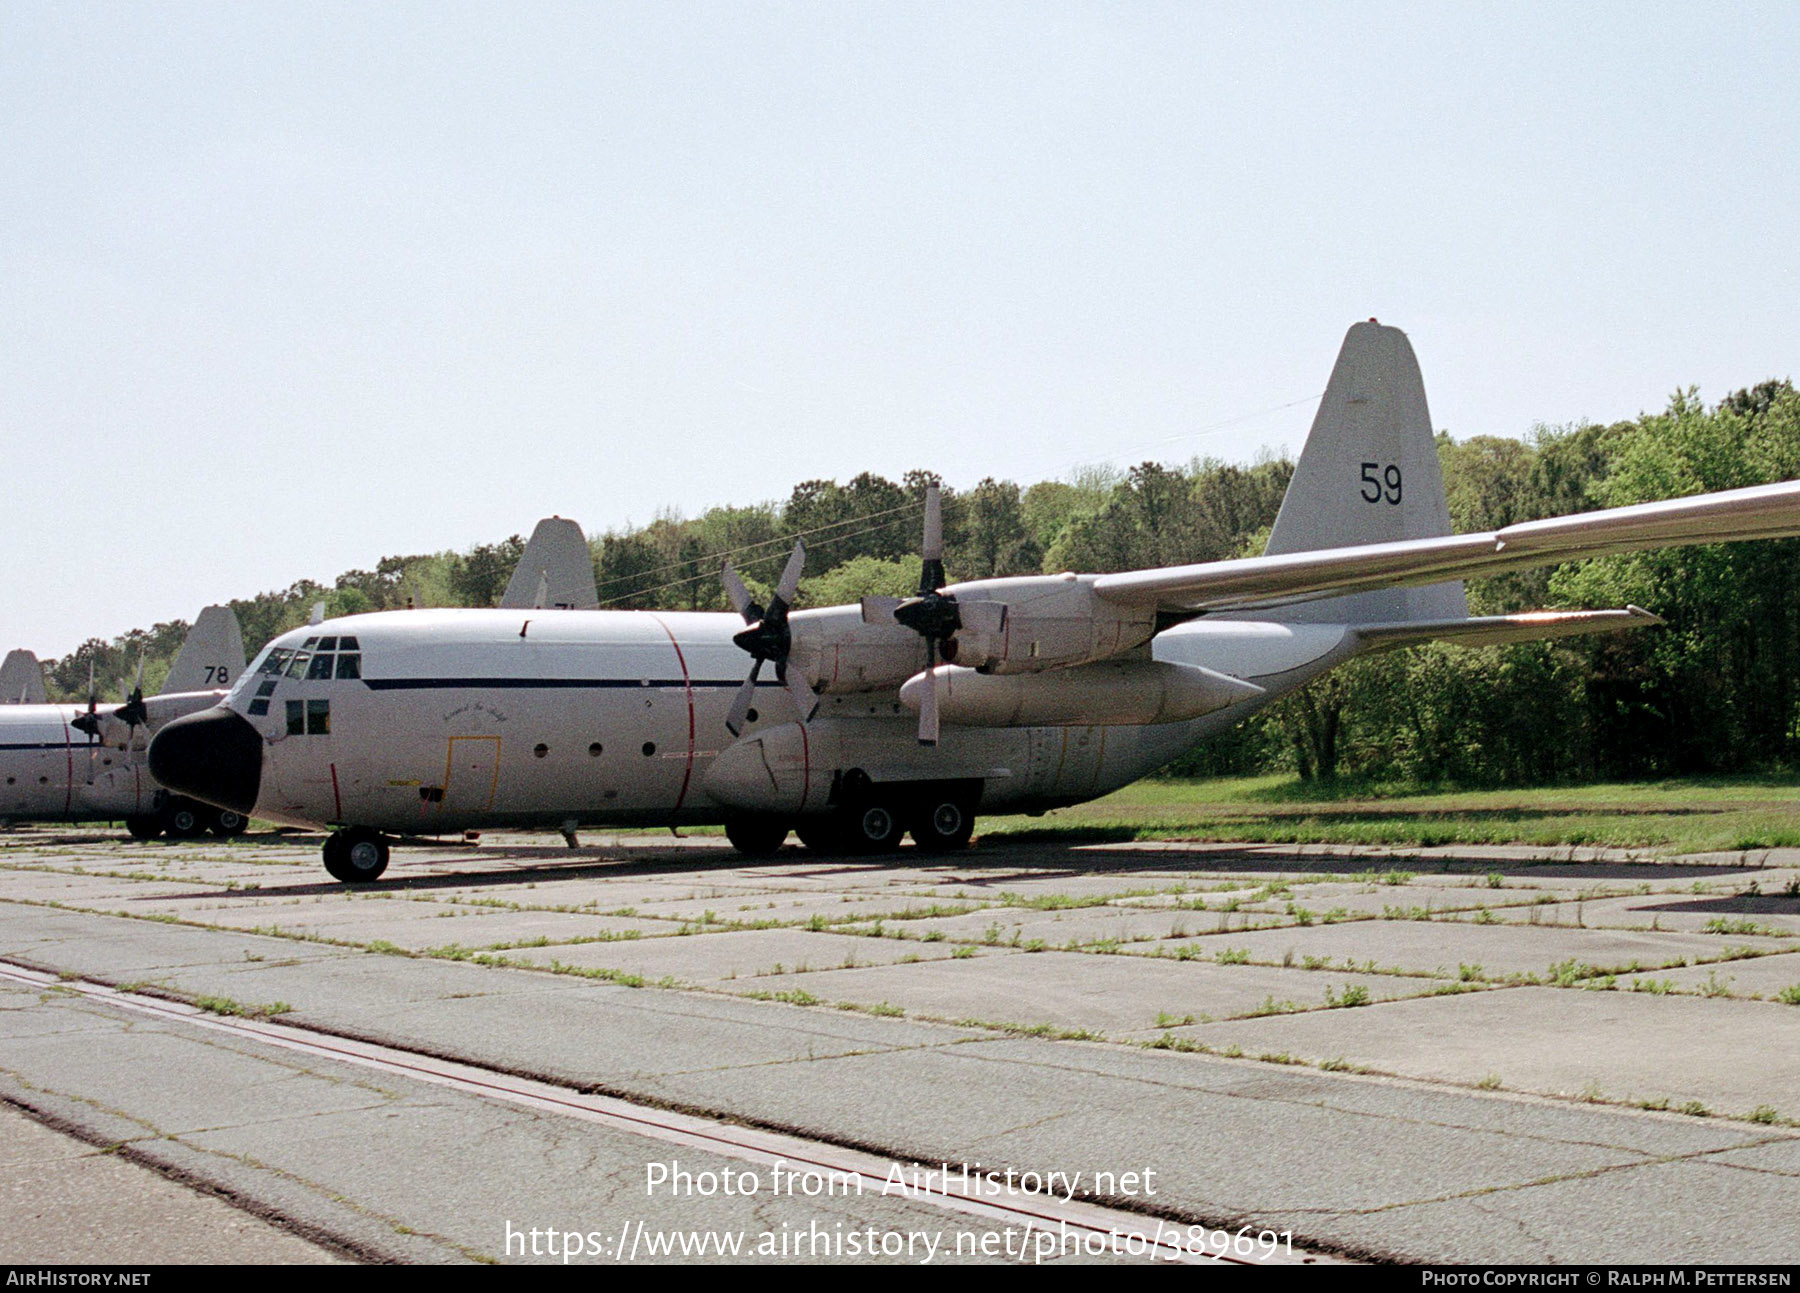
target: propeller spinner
<point>766,638</point>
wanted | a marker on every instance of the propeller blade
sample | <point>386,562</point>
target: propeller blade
<point>804,701</point>
<point>934,525</point>
<point>737,594</point>
<point>789,587</point>
<point>740,706</point>
<point>928,703</point>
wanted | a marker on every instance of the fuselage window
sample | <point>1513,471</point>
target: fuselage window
<point>296,718</point>
<point>259,707</point>
<point>318,718</point>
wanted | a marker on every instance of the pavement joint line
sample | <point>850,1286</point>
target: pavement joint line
<point>132,1152</point>
<point>872,1172</point>
<point>1421,1084</point>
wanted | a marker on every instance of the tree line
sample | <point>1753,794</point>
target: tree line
<point>1716,690</point>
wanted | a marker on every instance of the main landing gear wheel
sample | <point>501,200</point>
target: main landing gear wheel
<point>757,837</point>
<point>226,823</point>
<point>183,819</point>
<point>941,825</point>
<point>357,855</point>
<point>146,827</point>
<point>873,827</point>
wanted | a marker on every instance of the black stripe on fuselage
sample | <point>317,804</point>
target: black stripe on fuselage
<point>46,745</point>
<point>548,684</point>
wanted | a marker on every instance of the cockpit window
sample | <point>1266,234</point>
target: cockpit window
<point>275,661</point>
<point>349,666</point>
<point>320,667</point>
<point>297,667</point>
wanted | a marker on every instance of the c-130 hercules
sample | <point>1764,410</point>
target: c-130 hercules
<point>899,715</point>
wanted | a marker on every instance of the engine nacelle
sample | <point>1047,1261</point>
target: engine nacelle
<point>1043,622</point>
<point>837,651</point>
<point>1023,625</point>
<point>1112,691</point>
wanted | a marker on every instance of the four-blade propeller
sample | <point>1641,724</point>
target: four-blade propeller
<point>766,637</point>
<point>933,614</point>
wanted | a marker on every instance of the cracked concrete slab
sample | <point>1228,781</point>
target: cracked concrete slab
<point>1423,1165</point>
<point>1730,1056</point>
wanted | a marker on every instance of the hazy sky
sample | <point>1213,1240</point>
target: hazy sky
<point>285,288</point>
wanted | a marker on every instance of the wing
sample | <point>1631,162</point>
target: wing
<point>1760,512</point>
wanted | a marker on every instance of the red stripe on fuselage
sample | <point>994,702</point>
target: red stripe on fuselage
<point>687,683</point>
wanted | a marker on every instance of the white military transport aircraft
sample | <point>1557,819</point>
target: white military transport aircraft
<point>86,762</point>
<point>997,695</point>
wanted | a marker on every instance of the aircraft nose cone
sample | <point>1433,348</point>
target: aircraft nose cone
<point>214,756</point>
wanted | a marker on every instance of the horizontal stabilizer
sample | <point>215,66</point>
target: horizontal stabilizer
<point>1494,630</point>
<point>22,680</point>
<point>556,570</point>
<point>211,658</point>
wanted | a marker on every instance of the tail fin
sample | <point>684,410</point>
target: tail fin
<point>556,570</point>
<point>22,680</point>
<point>1369,474</point>
<point>212,656</point>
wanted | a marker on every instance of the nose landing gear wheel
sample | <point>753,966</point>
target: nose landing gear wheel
<point>357,855</point>
<point>183,819</point>
<point>146,827</point>
<point>757,837</point>
<point>824,835</point>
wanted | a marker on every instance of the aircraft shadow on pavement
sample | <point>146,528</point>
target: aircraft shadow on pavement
<point>997,862</point>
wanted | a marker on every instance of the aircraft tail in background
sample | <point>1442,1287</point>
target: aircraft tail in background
<point>556,570</point>
<point>22,680</point>
<point>211,658</point>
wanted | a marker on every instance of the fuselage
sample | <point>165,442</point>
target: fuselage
<point>439,721</point>
<point>51,770</point>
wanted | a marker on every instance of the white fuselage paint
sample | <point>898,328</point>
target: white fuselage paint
<point>463,718</point>
<point>50,770</point>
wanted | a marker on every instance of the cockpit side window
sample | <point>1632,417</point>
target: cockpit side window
<point>320,667</point>
<point>297,667</point>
